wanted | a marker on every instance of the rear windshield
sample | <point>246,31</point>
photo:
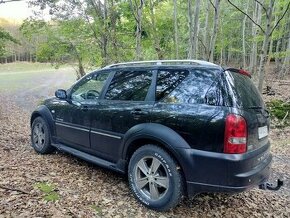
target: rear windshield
<point>240,91</point>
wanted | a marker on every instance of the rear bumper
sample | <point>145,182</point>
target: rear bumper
<point>216,172</point>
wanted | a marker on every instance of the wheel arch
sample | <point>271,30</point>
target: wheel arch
<point>43,111</point>
<point>155,134</point>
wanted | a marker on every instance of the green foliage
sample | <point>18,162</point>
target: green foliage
<point>280,110</point>
<point>4,38</point>
<point>97,209</point>
<point>53,196</point>
<point>49,191</point>
<point>45,187</point>
<point>90,34</point>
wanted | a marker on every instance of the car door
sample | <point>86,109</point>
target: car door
<point>73,116</point>
<point>126,103</point>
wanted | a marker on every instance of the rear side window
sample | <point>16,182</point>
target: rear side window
<point>184,86</point>
<point>129,86</point>
<point>167,81</point>
<point>239,91</point>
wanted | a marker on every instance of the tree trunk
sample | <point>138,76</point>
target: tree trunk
<point>195,28</point>
<point>190,50</point>
<point>137,12</point>
<point>263,56</point>
<point>206,31</point>
<point>176,41</point>
<point>105,36</point>
<point>215,29</point>
<point>286,63</point>
<point>113,18</point>
<point>154,32</point>
<point>257,14</point>
<point>244,37</point>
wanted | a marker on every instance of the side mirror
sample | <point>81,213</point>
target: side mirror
<point>61,94</point>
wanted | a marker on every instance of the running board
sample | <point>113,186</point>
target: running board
<point>88,157</point>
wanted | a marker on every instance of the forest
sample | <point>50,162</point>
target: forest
<point>66,39</point>
<point>250,34</point>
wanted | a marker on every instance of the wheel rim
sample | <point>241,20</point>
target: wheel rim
<point>39,135</point>
<point>151,178</point>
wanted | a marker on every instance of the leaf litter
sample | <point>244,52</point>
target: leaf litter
<point>80,189</point>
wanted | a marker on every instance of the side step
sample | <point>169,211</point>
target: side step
<point>88,157</point>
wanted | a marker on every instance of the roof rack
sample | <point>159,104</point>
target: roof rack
<point>161,62</point>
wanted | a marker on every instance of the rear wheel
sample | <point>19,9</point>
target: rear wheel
<point>40,136</point>
<point>155,178</point>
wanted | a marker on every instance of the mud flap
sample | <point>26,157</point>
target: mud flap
<point>270,186</point>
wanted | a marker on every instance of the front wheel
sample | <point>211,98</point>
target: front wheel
<point>155,178</point>
<point>40,136</point>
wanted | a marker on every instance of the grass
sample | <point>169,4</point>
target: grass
<point>18,67</point>
<point>48,190</point>
<point>23,75</point>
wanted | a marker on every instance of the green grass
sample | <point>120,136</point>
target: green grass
<point>48,190</point>
<point>23,75</point>
<point>18,67</point>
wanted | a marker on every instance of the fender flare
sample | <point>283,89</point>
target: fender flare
<point>45,113</point>
<point>157,132</point>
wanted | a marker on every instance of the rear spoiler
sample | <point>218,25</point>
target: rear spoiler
<point>241,71</point>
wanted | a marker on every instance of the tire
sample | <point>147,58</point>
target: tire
<point>155,178</point>
<point>40,136</point>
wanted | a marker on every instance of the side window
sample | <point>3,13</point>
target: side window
<point>89,88</point>
<point>129,86</point>
<point>185,87</point>
<point>167,81</point>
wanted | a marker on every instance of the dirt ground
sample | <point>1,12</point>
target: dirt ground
<point>84,190</point>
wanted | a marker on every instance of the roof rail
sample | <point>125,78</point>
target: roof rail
<point>161,62</point>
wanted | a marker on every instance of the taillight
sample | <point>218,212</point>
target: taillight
<point>235,141</point>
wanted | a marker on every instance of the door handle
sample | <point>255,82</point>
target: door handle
<point>139,112</point>
<point>85,108</point>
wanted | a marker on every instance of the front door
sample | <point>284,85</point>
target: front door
<point>73,117</point>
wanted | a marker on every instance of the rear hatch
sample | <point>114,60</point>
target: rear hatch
<point>241,94</point>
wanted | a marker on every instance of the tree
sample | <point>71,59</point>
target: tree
<point>137,9</point>
<point>176,40</point>
<point>268,30</point>
<point>215,29</point>
<point>4,38</point>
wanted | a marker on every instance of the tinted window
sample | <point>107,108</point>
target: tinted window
<point>89,88</point>
<point>129,85</point>
<point>167,81</point>
<point>193,87</point>
<point>240,91</point>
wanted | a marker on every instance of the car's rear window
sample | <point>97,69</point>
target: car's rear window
<point>240,91</point>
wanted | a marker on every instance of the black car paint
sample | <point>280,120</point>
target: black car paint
<point>192,133</point>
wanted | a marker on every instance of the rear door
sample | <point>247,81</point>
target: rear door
<point>241,93</point>
<point>125,104</point>
<point>180,96</point>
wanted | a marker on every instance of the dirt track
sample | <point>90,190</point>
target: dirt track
<point>85,190</point>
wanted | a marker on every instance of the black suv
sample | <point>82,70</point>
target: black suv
<point>175,127</point>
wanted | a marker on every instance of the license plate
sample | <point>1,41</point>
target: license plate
<point>262,132</point>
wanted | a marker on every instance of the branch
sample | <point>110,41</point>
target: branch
<point>262,7</point>
<point>280,18</point>
<point>212,4</point>
<point>133,12</point>
<point>247,16</point>
<point>15,189</point>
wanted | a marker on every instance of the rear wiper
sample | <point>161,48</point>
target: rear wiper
<point>255,107</point>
